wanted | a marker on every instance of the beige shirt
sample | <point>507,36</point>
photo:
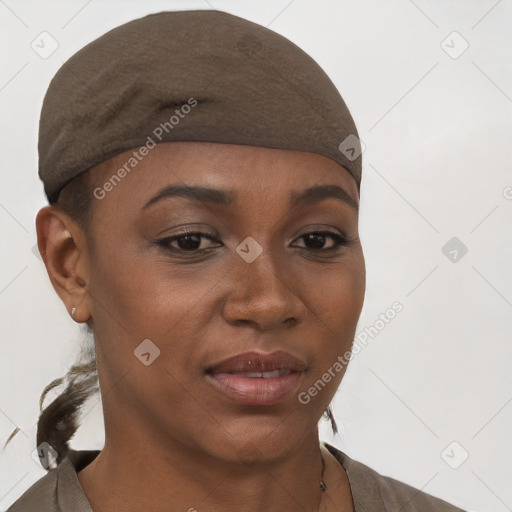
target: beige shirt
<point>60,491</point>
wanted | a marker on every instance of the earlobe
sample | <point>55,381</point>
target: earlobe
<point>62,250</point>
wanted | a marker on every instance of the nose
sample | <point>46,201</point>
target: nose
<point>262,294</point>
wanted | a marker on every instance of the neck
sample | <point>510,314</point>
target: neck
<point>129,476</point>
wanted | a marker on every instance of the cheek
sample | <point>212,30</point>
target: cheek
<point>336,294</point>
<point>137,298</point>
<point>142,291</point>
<point>335,308</point>
<point>135,301</point>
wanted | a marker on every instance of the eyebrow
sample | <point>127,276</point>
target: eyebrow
<point>309,196</point>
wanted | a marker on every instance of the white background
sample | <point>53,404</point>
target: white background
<point>438,136</point>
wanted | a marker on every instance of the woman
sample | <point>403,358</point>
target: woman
<point>203,175</point>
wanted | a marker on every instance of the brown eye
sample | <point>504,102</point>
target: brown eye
<point>315,240</point>
<point>188,241</point>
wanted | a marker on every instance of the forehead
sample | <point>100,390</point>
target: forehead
<point>134,176</point>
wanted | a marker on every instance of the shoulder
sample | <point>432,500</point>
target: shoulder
<point>40,496</point>
<point>58,490</point>
<point>374,492</point>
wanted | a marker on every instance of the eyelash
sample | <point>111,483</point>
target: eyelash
<point>340,241</point>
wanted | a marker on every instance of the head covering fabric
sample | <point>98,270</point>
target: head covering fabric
<point>201,75</point>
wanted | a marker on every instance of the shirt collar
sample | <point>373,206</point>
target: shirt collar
<point>365,490</point>
<point>70,495</point>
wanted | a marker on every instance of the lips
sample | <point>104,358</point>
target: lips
<point>254,378</point>
<point>254,362</point>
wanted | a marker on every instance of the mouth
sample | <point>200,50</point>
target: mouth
<point>254,378</point>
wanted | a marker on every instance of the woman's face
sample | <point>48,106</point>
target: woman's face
<point>166,312</point>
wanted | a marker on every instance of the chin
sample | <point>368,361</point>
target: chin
<point>259,439</point>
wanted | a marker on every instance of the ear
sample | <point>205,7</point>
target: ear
<point>64,250</point>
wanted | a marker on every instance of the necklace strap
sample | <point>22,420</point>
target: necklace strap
<point>323,485</point>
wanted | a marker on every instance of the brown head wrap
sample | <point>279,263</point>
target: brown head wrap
<point>205,76</point>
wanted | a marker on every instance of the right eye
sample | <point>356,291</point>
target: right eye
<point>187,241</point>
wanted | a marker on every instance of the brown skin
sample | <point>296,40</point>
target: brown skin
<point>174,442</point>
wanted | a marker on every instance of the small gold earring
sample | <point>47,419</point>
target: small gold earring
<point>73,311</point>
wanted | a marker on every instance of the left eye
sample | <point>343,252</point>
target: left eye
<point>316,239</point>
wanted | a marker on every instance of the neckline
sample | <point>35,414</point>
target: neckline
<point>365,492</point>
